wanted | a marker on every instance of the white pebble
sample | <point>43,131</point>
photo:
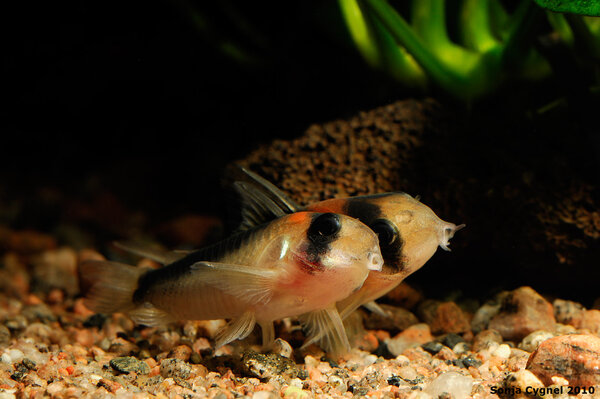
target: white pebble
<point>296,382</point>
<point>264,395</point>
<point>8,394</point>
<point>407,373</point>
<point>12,356</point>
<point>503,351</point>
<point>533,340</point>
<point>452,382</point>
<point>460,348</point>
<point>337,383</point>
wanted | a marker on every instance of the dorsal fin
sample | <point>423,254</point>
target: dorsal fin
<point>261,201</point>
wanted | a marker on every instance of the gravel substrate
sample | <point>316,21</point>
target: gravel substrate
<point>52,346</point>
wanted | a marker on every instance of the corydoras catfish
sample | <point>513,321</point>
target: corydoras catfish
<point>302,263</point>
<point>409,231</point>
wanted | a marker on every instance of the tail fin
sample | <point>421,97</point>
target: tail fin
<point>109,286</point>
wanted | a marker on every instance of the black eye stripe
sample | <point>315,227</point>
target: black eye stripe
<point>385,230</point>
<point>323,230</point>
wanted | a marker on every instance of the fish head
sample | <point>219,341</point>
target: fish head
<point>338,249</point>
<point>409,231</point>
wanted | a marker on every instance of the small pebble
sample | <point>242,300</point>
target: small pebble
<point>413,336</point>
<point>128,364</point>
<point>454,383</point>
<point>175,368</point>
<point>282,348</point>
<point>520,381</point>
<point>452,339</point>
<point>502,351</point>
<point>531,342</point>
<point>432,347</point>
<point>264,395</point>
<point>460,348</point>
<point>4,335</point>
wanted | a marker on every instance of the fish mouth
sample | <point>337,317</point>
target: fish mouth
<point>374,261</point>
<point>446,232</point>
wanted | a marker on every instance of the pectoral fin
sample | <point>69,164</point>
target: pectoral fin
<point>350,304</point>
<point>325,327</point>
<point>375,308</point>
<point>247,284</point>
<point>238,328</point>
<point>149,315</point>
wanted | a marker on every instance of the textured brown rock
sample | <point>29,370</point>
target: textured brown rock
<point>444,317</point>
<point>415,335</point>
<point>568,312</point>
<point>590,321</point>
<point>486,338</point>
<point>405,296</point>
<point>397,319</point>
<point>574,357</point>
<point>373,143</point>
<point>522,312</point>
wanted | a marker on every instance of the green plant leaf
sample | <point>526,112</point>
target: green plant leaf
<point>581,7</point>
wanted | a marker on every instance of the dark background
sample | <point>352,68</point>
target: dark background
<point>137,88</point>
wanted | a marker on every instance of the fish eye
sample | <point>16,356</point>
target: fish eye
<point>385,230</point>
<point>325,225</point>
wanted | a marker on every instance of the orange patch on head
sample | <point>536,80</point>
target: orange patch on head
<point>332,206</point>
<point>298,217</point>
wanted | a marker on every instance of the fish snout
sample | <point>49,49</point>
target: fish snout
<point>374,260</point>
<point>446,232</point>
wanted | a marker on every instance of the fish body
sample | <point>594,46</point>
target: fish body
<point>409,231</point>
<point>297,264</point>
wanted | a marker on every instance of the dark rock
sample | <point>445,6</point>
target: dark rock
<point>30,364</point>
<point>398,319</point>
<point>20,372</point>
<point>469,361</point>
<point>451,339</point>
<point>96,320</point>
<point>128,364</point>
<point>574,357</point>
<point>265,366</point>
<point>175,368</point>
<point>384,352</point>
<point>395,380</point>
<point>522,312</point>
<point>195,358</point>
<point>432,347</point>
<point>4,335</point>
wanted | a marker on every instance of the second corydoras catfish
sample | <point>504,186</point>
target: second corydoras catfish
<point>409,231</point>
<point>301,263</point>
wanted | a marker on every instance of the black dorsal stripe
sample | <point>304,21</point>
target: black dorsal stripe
<point>181,267</point>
